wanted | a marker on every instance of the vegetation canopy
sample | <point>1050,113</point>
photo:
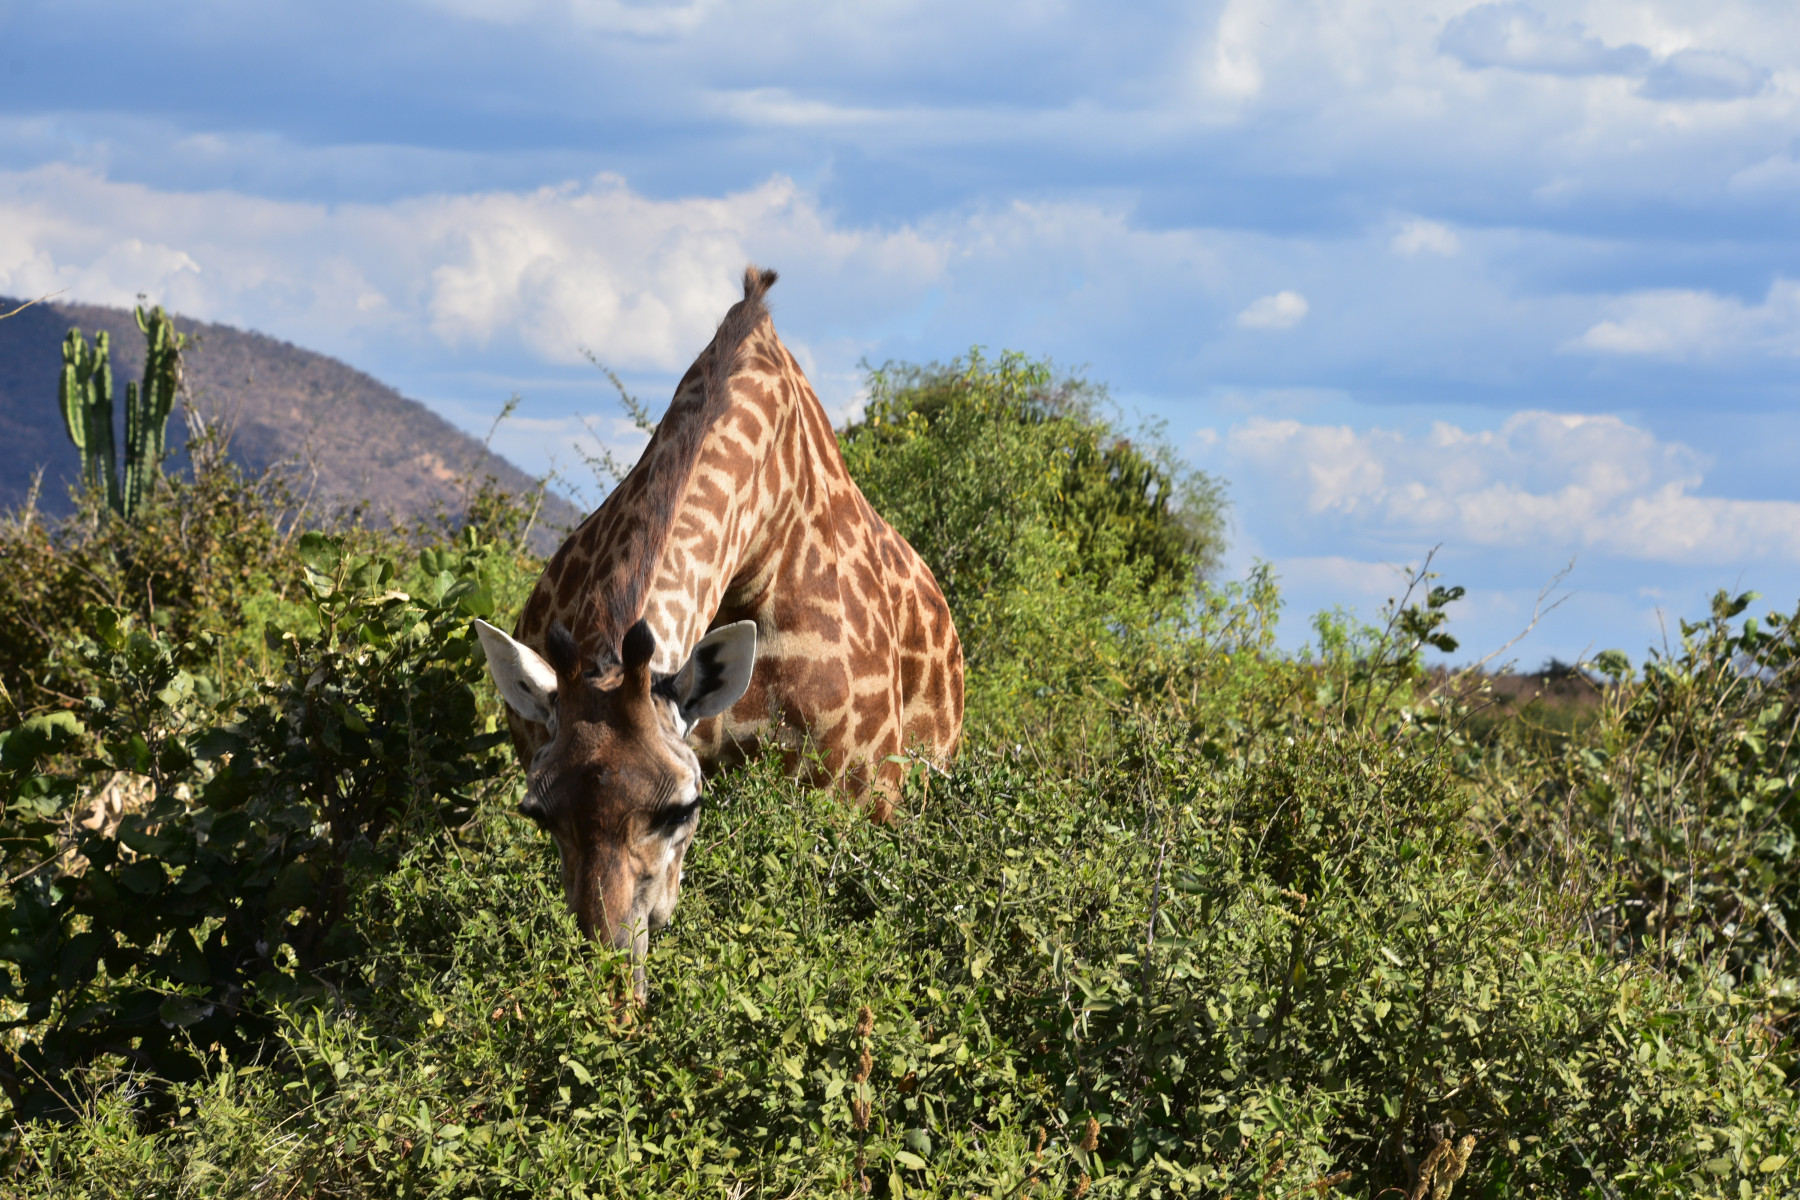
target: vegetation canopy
<point>1057,540</point>
<point>1191,916</point>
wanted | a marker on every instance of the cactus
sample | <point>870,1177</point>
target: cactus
<point>86,393</point>
<point>87,406</point>
<point>147,408</point>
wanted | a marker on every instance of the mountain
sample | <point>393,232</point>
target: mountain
<point>351,439</point>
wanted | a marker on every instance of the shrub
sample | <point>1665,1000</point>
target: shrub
<point>1221,921</point>
<point>1675,826</point>
<point>200,550</point>
<point>1161,976</point>
<point>1054,538</point>
<point>262,814</point>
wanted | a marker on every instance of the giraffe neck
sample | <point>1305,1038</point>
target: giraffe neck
<point>745,502</point>
<point>722,491</point>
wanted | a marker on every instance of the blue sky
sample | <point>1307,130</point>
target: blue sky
<point>1519,279</point>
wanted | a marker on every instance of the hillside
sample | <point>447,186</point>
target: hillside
<point>351,438</point>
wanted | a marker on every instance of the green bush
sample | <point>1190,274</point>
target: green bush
<point>1676,820</point>
<point>200,550</point>
<point>259,816</point>
<point>1057,541</point>
<point>1249,979</point>
<point>1190,917</point>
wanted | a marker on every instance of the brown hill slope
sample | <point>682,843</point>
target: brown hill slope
<point>352,439</point>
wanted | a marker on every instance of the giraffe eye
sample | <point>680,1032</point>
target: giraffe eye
<point>533,806</point>
<point>673,818</point>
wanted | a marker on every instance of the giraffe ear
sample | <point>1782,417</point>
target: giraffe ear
<point>526,681</point>
<point>715,674</point>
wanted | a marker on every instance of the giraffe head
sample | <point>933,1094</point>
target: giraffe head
<point>617,786</point>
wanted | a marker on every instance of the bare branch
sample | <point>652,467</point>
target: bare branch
<point>1539,610</point>
<point>41,299</point>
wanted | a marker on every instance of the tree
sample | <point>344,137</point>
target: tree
<point>1056,538</point>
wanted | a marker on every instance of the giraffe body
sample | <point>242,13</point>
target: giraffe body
<point>735,589</point>
<point>857,658</point>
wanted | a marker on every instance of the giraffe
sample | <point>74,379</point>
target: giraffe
<point>734,590</point>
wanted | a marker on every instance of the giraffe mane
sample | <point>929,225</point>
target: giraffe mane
<point>718,363</point>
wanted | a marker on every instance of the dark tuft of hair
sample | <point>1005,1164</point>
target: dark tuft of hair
<point>639,646</point>
<point>564,654</point>
<point>757,280</point>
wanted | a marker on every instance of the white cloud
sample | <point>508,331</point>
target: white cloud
<point>1233,69</point>
<point>1351,581</point>
<point>598,16</point>
<point>1684,324</point>
<point>1519,37</point>
<point>1283,310</point>
<point>1524,39</point>
<point>1777,173</point>
<point>1704,75</point>
<point>1540,481</point>
<point>640,281</point>
<point>1419,236</point>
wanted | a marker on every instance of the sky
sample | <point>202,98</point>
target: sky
<point>1516,281</point>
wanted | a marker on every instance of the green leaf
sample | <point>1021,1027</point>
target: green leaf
<point>184,960</point>
<point>178,1012</point>
<point>177,690</point>
<point>909,1160</point>
<point>132,835</point>
<point>1613,663</point>
<point>215,743</point>
<point>145,876</point>
<point>109,625</point>
<point>321,551</point>
<point>292,887</point>
<point>36,737</point>
<point>478,602</point>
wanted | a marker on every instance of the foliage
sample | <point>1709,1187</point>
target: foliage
<point>261,812</point>
<point>1208,920</point>
<point>1055,539</point>
<point>1261,977</point>
<point>203,551</point>
<point>1676,821</point>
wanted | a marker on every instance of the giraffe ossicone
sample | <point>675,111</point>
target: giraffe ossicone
<point>734,590</point>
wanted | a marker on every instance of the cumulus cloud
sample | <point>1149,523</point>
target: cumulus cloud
<point>1704,75</point>
<point>1419,236</point>
<point>1519,37</point>
<point>605,17</point>
<point>1524,39</point>
<point>1542,480</point>
<point>1682,324</point>
<point>1283,310</point>
<point>640,281</point>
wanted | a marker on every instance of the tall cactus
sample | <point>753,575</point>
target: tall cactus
<point>86,392</point>
<point>147,408</point>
